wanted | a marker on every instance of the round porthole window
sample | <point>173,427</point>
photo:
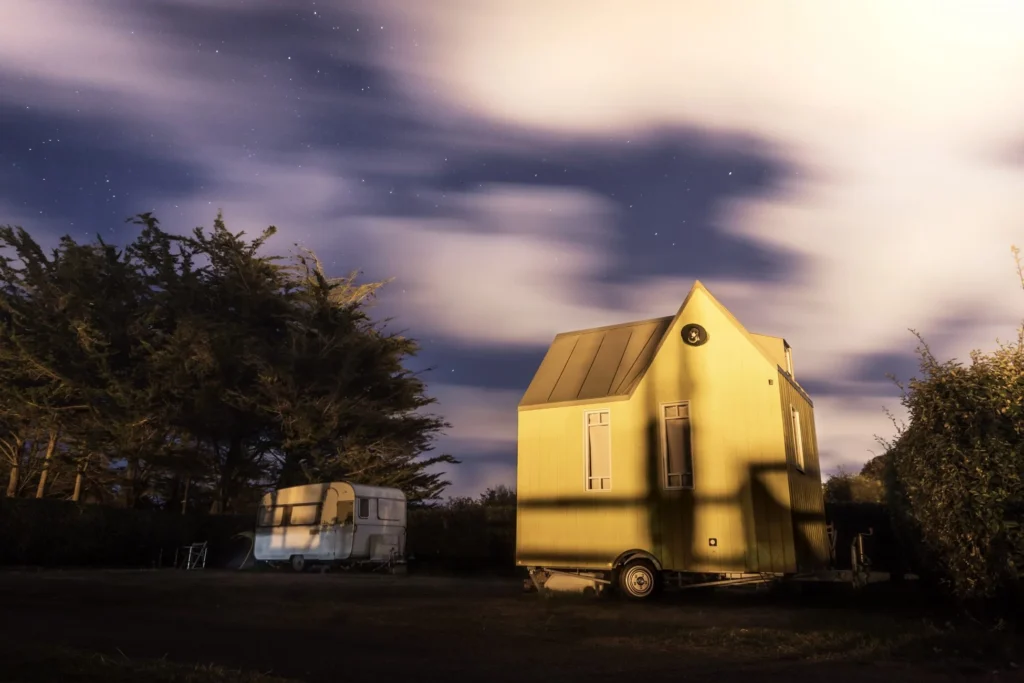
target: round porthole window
<point>694,334</point>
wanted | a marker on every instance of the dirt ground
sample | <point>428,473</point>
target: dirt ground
<point>314,627</point>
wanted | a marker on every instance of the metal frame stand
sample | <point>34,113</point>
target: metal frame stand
<point>193,556</point>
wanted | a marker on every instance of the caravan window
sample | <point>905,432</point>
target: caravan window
<point>390,510</point>
<point>270,516</point>
<point>289,515</point>
<point>304,515</point>
<point>364,508</point>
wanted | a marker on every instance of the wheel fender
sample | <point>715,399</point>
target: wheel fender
<point>636,554</point>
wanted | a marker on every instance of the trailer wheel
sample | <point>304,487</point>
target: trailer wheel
<point>639,580</point>
<point>298,563</point>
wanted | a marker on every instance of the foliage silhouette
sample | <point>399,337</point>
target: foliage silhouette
<point>194,371</point>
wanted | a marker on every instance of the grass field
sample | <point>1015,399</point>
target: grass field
<point>206,627</point>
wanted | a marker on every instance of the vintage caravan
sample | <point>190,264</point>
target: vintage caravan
<point>335,524</point>
<point>681,447</point>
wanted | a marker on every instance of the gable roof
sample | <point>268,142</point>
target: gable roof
<point>598,363</point>
<point>609,362</point>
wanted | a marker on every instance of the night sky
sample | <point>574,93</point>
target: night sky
<point>835,173</point>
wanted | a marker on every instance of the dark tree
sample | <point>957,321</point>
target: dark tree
<point>195,368</point>
<point>347,407</point>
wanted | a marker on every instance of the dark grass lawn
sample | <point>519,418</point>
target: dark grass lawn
<point>206,627</point>
<point>43,665</point>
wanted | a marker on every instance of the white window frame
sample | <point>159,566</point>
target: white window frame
<point>798,439</point>
<point>663,427</point>
<point>587,478</point>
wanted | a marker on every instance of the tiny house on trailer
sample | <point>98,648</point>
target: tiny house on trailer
<point>681,446</point>
<point>333,524</point>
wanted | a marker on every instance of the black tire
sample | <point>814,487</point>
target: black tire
<point>639,580</point>
<point>298,563</point>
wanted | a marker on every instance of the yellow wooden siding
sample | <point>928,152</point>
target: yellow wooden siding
<point>741,494</point>
<point>559,521</point>
<point>808,502</point>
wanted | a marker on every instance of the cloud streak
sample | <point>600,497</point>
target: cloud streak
<point>897,124</point>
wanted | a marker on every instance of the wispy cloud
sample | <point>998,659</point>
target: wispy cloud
<point>898,210</point>
<point>479,415</point>
<point>898,123</point>
<point>503,265</point>
<point>901,207</point>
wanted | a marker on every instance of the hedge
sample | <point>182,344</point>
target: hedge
<point>53,533</point>
<point>56,533</point>
<point>470,538</point>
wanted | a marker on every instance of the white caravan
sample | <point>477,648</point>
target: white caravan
<point>331,524</point>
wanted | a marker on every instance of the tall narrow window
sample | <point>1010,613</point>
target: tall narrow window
<point>678,450</point>
<point>599,451</point>
<point>798,439</point>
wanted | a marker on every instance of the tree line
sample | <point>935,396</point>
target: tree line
<point>193,371</point>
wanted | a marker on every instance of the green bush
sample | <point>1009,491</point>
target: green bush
<point>954,474</point>
<point>854,488</point>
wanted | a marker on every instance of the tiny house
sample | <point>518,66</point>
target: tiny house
<point>333,524</point>
<point>681,446</point>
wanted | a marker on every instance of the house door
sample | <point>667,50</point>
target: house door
<point>365,527</point>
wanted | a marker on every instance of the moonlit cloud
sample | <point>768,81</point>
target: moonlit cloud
<point>903,212</point>
<point>901,208</point>
<point>506,265</point>
<point>815,75</point>
<point>852,423</point>
<point>898,124</point>
<point>482,414</point>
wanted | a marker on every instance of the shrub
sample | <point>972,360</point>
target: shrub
<point>955,472</point>
<point>854,488</point>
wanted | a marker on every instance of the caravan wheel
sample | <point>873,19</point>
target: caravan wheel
<point>639,580</point>
<point>298,563</point>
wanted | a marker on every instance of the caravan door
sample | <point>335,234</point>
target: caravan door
<point>365,527</point>
<point>336,532</point>
<point>344,530</point>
